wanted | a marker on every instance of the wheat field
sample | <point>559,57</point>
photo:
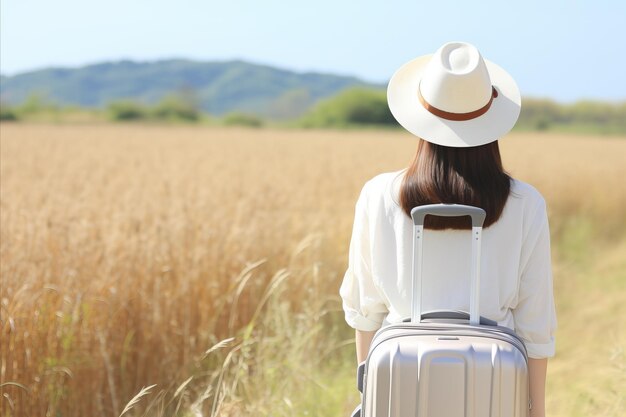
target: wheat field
<point>202,264</point>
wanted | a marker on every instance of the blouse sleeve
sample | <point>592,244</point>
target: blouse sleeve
<point>363,305</point>
<point>535,315</point>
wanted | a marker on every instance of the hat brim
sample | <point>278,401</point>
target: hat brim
<point>404,103</point>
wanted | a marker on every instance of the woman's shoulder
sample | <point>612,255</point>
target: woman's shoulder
<point>526,204</point>
<point>385,184</point>
<point>382,180</point>
<point>524,191</point>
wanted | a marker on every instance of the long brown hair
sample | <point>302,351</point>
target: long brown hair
<point>442,174</point>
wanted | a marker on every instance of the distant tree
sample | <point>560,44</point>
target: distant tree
<point>542,124</point>
<point>242,119</point>
<point>594,112</point>
<point>35,103</point>
<point>7,113</point>
<point>126,110</point>
<point>177,107</point>
<point>355,106</point>
<point>540,113</point>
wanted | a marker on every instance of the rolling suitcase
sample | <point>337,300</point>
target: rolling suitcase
<point>444,363</point>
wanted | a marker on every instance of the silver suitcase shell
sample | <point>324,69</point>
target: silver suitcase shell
<point>445,370</point>
<point>445,364</point>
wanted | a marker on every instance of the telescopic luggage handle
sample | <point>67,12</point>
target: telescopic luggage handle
<point>446,210</point>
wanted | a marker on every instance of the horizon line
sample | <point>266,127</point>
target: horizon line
<point>267,65</point>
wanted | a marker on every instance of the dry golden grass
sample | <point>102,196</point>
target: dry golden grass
<point>128,251</point>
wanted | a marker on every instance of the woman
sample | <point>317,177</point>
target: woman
<point>459,105</point>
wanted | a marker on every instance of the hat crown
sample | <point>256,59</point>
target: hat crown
<point>456,79</point>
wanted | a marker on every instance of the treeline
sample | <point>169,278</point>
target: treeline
<point>173,108</point>
<point>591,116</point>
<point>361,107</point>
<point>354,107</point>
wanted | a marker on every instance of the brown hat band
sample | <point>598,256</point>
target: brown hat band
<point>458,116</point>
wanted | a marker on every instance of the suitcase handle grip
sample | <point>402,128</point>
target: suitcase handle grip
<point>448,210</point>
<point>452,315</point>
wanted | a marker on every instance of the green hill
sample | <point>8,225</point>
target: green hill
<point>216,87</point>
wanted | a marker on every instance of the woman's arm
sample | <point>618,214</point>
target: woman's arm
<point>363,341</point>
<point>537,377</point>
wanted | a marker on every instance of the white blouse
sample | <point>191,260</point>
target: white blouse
<point>516,272</point>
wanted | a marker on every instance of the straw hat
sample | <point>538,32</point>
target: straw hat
<point>454,97</point>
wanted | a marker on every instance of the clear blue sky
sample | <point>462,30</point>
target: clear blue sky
<point>567,50</point>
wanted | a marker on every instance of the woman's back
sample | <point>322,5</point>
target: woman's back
<point>515,265</point>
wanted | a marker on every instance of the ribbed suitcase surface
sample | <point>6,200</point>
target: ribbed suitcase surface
<point>445,371</point>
